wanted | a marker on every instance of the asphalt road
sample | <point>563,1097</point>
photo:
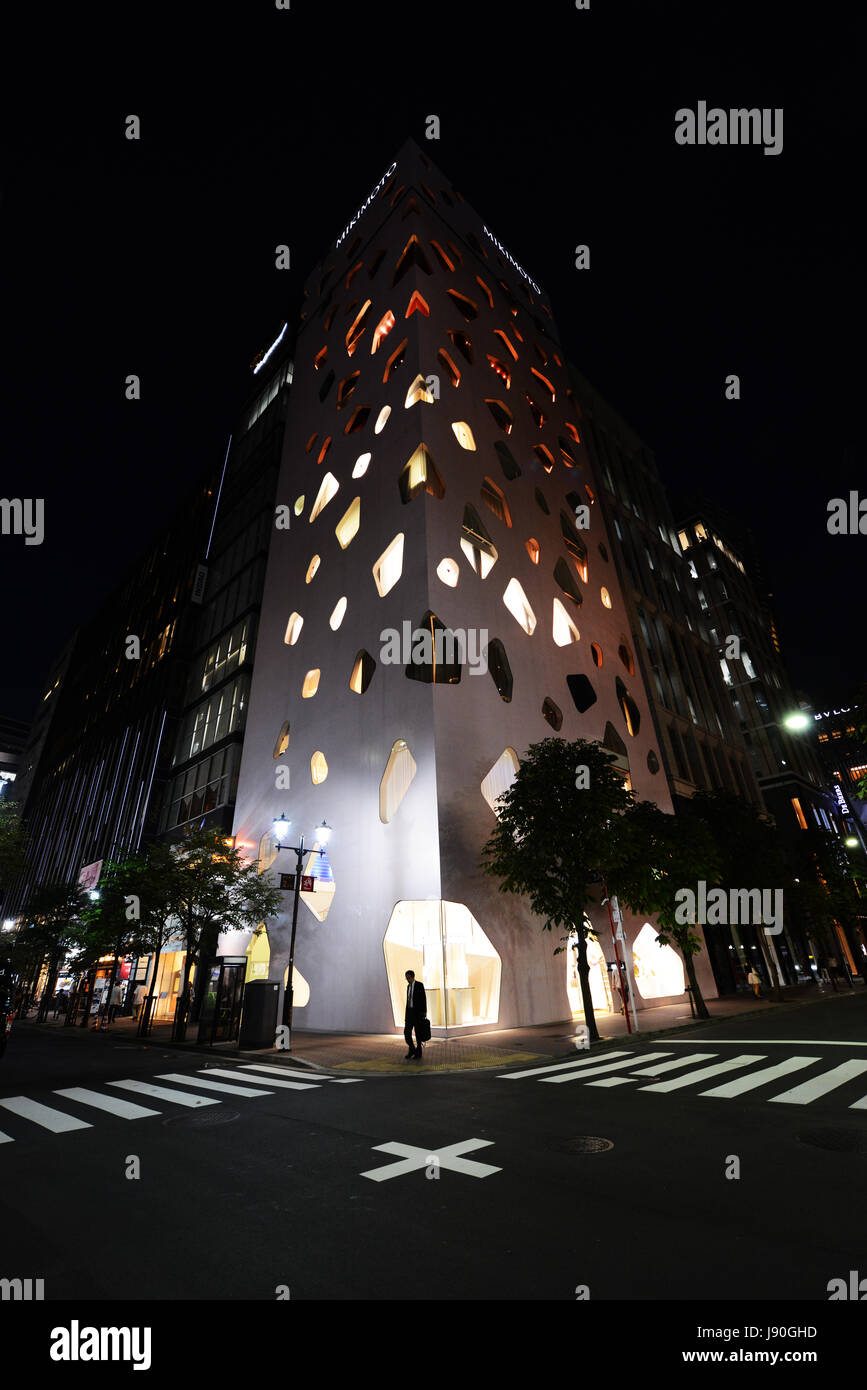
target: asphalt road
<point>255,1196</point>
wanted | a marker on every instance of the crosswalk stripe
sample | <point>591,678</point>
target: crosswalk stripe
<point>213,1085</point>
<point>676,1064</point>
<point>43,1115</point>
<point>145,1088</point>
<point>820,1085</point>
<point>558,1066</point>
<point>691,1077</point>
<point>124,1109</point>
<point>597,1070</point>
<point>282,1071</point>
<point>859,1104</point>
<point>6,1138</point>
<point>611,1081</point>
<point>282,1085</point>
<point>759,1078</point>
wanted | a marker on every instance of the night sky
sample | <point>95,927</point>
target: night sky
<point>262,127</point>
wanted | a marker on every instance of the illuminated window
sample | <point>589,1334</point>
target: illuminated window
<point>498,333</point>
<point>395,361</point>
<point>411,255</point>
<point>359,327</point>
<point>321,358</point>
<point>575,546</point>
<point>362,672</point>
<point>545,457</point>
<point>282,741</point>
<point>311,684</point>
<point>500,778</point>
<point>477,544</point>
<point>545,382</point>
<point>501,369</point>
<point>596,653</point>
<point>417,392</point>
<point>510,468</point>
<point>519,606</point>
<point>324,450</point>
<point>449,572</point>
<point>495,498</point>
<point>499,669</point>
<point>330,318</point>
<point>347,527</point>
<point>293,629</point>
<point>417,305</point>
<point>456,255</point>
<point>444,260</point>
<point>799,813</point>
<point>327,490</point>
<point>536,412</point>
<point>452,371</point>
<point>541,503</point>
<point>382,419</point>
<point>626,657</point>
<point>361,465</point>
<point>299,505</point>
<point>437,654</point>
<point>570,429</point>
<point>318,769</point>
<point>382,330</point>
<point>463,345</point>
<point>533,550</point>
<point>352,273</point>
<point>552,713</point>
<point>463,434</point>
<point>487,292</point>
<point>389,566</point>
<point>310,443</point>
<point>606,597</point>
<point>420,475</point>
<point>346,388</point>
<point>566,580</point>
<point>591,495</point>
<point>469,310</point>
<point>502,415</point>
<point>564,630</point>
<point>628,706</point>
<point>566,453</point>
<point>358,419</point>
<point>312,568</point>
<point>542,354</point>
<point>338,615</point>
<point>399,772</point>
<point>445,946</point>
<point>658,969</point>
<point>700,532</point>
<point>582,692</point>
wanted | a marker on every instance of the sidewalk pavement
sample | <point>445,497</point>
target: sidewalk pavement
<point>383,1053</point>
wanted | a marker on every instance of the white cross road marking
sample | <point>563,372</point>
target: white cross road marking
<point>759,1078</point>
<point>859,1104</point>
<point>820,1085</point>
<point>413,1159</point>
<point>766,1042</point>
<point>677,1081</point>
<point>213,1085</point>
<point>282,1085</point>
<point>598,1069</point>
<point>284,1071</point>
<point>6,1138</point>
<point>558,1066</point>
<point>145,1088</point>
<point>43,1115</point>
<point>611,1081</point>
<point>125,1109</point>
<point>678,1062</point>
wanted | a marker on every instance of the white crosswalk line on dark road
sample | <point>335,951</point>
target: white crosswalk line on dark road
<point>113,1105</point>
<point>272,1081</point>
<point>602,1066</point>
<point>212,1085</point>
<point>740,1084</point>
<point>145,1088</point>
<point>676,1082</point>
<point>43,1115</point>
<point>820,1085</point>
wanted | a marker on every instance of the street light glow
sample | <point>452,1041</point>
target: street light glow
<point>796,722</point>
<point>281,828</point>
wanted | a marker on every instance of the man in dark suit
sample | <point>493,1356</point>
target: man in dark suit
<point>416,1010</point>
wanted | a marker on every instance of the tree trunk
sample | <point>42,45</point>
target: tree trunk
<point>700,1005</point>
<point>50,981</point>
<point>586,996</point>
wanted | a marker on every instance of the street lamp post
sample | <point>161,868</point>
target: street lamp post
<point>322,833</point>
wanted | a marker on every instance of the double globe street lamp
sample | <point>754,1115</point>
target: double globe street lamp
<point>321,836</point>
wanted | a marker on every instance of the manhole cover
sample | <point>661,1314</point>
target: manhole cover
<point>841,1141</point>
<point>586,1144</point>
<point>205,1119</point>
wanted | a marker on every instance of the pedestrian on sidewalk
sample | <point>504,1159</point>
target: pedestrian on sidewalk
<point>138,999</point>
<point>755,979</point>
<point>115,1001</point>
<point>416,1011</point>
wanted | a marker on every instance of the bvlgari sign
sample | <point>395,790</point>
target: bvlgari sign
<point>366,204</point>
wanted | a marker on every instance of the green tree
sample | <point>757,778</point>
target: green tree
<point>660,855</point>
<point>13,845</point>
<point>111,919</point>
<point>556,828</point>
<point>54,927</point>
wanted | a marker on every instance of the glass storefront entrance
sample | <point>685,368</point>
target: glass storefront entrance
<point>446,947</point>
